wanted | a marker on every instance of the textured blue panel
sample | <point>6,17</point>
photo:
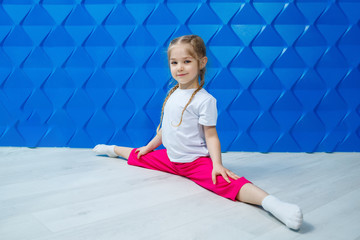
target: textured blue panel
<point>60,131</point>
<point>80,72</point>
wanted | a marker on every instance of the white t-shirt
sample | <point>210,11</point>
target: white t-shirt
<point>186,143</point>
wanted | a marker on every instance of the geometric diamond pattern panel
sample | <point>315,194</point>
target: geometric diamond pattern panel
<point>75,73</point>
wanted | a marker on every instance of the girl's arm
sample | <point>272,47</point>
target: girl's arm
<point>213,144</point>
<point>154,143</point>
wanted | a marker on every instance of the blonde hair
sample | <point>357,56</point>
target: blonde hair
<point>198,51</point>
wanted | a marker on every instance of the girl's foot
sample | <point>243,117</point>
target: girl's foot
<point>289,214</point>
<point>102,149</point>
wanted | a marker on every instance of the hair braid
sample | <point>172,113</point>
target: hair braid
<point>202,82</point>
<point>163,106</point>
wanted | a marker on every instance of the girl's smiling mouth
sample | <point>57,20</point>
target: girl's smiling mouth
<point>180,75</point>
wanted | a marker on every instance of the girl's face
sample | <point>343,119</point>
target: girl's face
<point>184,67</point>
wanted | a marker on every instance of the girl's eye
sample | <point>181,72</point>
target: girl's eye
<point>173,63</point>
<point>187,61</point>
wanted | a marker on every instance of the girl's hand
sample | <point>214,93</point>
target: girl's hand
<point>224,172</point>
<point>142,151</point>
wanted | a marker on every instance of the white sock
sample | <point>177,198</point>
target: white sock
<point>289,214</point>
<point>105,149</point>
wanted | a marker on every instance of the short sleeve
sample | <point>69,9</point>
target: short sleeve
<point>208,112</point>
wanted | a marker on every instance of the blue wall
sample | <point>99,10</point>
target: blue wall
<point>76,73</point>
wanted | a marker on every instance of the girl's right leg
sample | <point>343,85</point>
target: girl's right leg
<point>155,160</point>
<point>113,151</point>
<point>123,152</point>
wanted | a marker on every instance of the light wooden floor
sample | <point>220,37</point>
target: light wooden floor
<point>61,193</point>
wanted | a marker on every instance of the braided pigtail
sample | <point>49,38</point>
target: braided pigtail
<point>202,82</point>
<point>163,106</point>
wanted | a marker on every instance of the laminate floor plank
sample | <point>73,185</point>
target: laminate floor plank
<point>21,227</point>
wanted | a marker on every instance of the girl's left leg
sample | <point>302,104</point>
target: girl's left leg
<point>249,193</point>
<point>242,190</point>
<point>289,214</point>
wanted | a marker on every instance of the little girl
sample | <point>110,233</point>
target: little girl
<point>187,129</point>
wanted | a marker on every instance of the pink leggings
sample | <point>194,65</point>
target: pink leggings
<point>199,171</point>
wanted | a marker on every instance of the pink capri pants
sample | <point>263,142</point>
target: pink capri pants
<point>199,171</point>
